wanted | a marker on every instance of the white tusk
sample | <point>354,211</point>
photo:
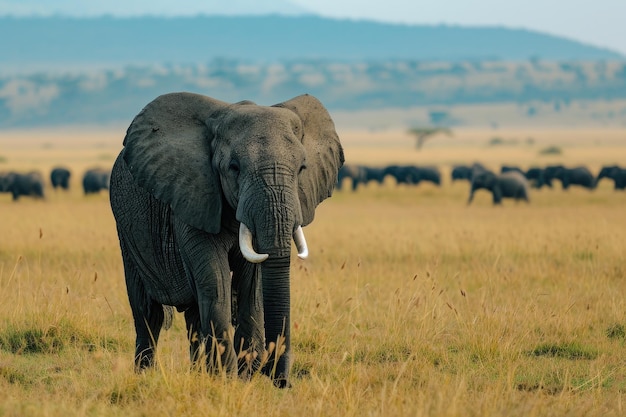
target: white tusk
<point>300,241</point>
<point>245,245</point>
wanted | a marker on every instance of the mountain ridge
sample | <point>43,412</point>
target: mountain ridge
<point>39,42</point>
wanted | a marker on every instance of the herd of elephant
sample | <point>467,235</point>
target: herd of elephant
<point>32,184</point>
<point>511,182</point>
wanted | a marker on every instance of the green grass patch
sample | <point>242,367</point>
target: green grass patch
<point>33,339</point>
<point>551,150</point>
<point>571,350</point>
<point>616,331</point>
<point>14,376</point>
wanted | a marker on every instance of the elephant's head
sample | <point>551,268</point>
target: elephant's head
<point>483,179</point>
<point>553,172</point>
<point>6,178</point>
<point>609,171</point>
<point>265,167</point>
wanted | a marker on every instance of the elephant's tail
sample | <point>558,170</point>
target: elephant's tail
<point>168,317</point>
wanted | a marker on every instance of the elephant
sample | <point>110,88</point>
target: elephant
<point>5,179</point>
<point>551,173</point>
<point>356,173</point>
<point>614,172</point>
<point>18,184</point>
<point>509,184</point>
<point>430,174</point>
<point>571,176</point>
<point>536,177</point>
<point>95,180</point>
<point>413,175</point>
<point>207,197</point>
<point>464,172</point>
<point>403,174</point>
<point>376,174</point>
<point>507,168</point>
<point>461,172</point>
<point>60,178</point>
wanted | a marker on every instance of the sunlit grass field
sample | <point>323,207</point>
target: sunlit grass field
<point>411,303</point>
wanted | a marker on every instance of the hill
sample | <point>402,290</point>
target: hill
<point>34,43</point>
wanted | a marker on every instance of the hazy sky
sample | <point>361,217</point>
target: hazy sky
<point>597,22</point>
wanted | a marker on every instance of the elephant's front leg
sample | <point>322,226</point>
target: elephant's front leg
<point>206,264</point>
<point>250,330</point>
<point>216,335</point>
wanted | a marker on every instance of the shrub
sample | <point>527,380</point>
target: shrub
<point>551,150</point>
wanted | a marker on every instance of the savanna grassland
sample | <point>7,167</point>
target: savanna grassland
<point>411,303</point>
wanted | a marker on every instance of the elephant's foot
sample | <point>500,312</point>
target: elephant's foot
<point>144,359</point>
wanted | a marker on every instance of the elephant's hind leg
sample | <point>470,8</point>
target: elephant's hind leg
<point>148,315</point>
<point>148,327</point>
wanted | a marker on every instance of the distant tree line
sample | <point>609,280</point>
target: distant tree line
<point>101,96</point>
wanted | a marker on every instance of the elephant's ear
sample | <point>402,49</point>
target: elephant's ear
<point>324,154</point>
<point>168,152</point>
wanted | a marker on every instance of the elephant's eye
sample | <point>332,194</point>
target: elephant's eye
<point>302,168</point>
<point>234,166</point>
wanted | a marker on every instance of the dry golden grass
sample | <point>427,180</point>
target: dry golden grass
<point>411,302</point>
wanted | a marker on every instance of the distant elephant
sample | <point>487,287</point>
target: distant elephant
<point>464,172</point>
<point>403,174</point>
<point>537,178</point>
<point>207,197</point>
<point>413,175</point>
<point>429,173</point>
<point>376,174</point>
<point>614,172</point>
<point>60,178</point>
<point>551,173</point>
<point>461,172</point>
<point>356,173</point>
<point>508,168</point>
<point>29,184</point>
<point>95,180</point>
<point>510,184</point>
<point>571,176</point>
<point>5,179</point>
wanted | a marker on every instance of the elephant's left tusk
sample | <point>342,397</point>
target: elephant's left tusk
<point>245,245</point>
<point>300,241</point>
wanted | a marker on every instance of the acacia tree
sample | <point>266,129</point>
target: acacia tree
<point>423,133</point>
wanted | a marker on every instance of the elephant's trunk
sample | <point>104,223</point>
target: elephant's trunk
<point>276,306</point>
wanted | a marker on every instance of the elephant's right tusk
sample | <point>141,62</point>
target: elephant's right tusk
<point>300,241</point>
<point>245,245</point>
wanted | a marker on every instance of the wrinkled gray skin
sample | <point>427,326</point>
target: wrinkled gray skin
<point>193,170</point>
<point>18,184</point>
<point>60,178</point>
<point>511,184</point>
<point>95,180</point>
<point>616,173</point>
